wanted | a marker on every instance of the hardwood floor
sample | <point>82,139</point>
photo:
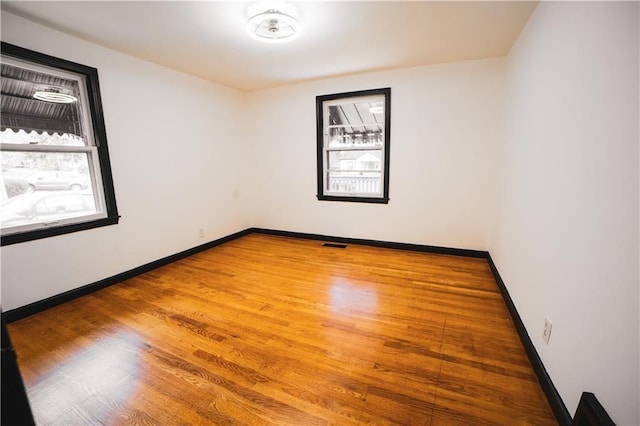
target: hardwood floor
<point>275,330</point>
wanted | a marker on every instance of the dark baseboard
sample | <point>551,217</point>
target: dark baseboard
<point>375,243</point>
<point>39,306</point>
<point>555,401</point>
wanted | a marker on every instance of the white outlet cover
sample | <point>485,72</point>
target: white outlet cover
<point>546,331</point>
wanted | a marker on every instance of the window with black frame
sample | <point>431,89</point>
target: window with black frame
<point>56,174</point>
<point>353,146</point>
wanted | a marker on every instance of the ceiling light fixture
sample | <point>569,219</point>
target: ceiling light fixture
<point>273,26</point>
<point>54,95</point>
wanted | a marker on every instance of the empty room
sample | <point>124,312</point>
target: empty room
<point>320,212</point>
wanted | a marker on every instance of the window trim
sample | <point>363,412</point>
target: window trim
<point>320,133</point>
<point>100,143</point>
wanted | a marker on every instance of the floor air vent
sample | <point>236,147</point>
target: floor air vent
<point>334,245</point>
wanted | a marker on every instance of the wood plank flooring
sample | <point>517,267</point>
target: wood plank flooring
<point>274,330</point>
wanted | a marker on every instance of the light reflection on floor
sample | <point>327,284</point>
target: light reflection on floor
<point>89,385</point>
<point>345,296</point>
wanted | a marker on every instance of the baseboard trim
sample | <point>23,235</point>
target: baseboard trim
<point>555,401</point>
<point>41,305</point>
<point>376,243</point>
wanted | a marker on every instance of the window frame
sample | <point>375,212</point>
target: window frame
<point>322,151</point>
<point>96,130</point>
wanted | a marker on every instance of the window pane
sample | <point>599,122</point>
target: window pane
<point>20,137</point>
<point>44,187</point>
<point>356,136</point>
<point>352,113</point>
<point>354,182</point>
<point>41,100</point>
<point>45,207</point>
<point>355,160</point>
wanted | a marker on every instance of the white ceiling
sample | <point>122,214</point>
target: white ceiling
<point>208,38</point>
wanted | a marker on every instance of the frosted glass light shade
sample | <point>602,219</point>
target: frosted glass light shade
<point>273,26</point>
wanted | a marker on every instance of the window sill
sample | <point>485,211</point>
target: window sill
<point>37,234</point>
<point>349,199</point>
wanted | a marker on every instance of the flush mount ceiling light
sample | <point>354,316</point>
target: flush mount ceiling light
<point>273,26</point>
<point>54,95</point>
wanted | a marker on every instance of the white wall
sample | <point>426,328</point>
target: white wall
<point>445,126</point>
<point>566,236</point>
<point>175,145</point>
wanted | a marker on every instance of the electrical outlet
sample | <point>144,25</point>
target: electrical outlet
<point>201,232</point>
<point>546,331</point>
